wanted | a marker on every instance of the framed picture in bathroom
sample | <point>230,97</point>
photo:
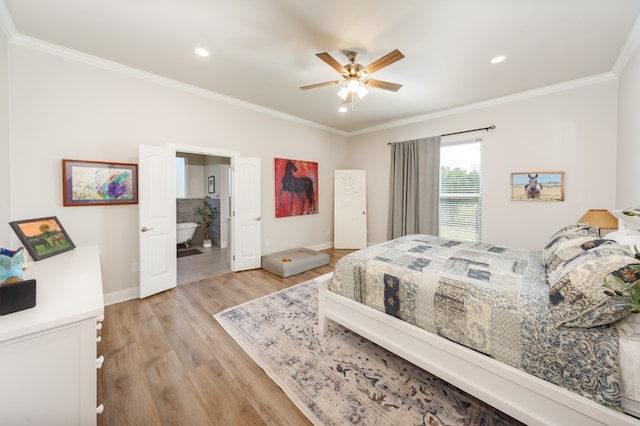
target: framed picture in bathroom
<point>212,184</point>
<point>92,183</point>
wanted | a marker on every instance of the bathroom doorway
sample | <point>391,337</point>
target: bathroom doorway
<point>199,176</point>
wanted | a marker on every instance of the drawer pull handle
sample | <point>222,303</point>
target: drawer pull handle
<point>99,326</point>
<point>99,361</point>
<point>98,339</point>
<point>101,317</point>
<point>100,409</point>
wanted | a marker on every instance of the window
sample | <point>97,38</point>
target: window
<point>181,177</point>
<point>460,198</point>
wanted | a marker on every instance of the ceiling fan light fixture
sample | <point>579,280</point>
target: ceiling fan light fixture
<point>353,85</point>
<point>498,59</point>
<point>343,108</point>
<point>343,93</point>
<point>362,91</point>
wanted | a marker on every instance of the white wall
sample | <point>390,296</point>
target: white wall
<point>5,169</point>
<point>66,109</point>
<point>628,189</point>
<point>572,131</point>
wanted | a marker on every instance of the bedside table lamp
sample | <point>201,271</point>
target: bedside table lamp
<point>601,219</point>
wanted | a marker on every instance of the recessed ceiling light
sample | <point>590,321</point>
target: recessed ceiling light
<point>343,109</point>
<point>498,59</point>
<point>202,52</point>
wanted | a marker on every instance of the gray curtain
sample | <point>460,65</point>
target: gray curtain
<point>414,189</point>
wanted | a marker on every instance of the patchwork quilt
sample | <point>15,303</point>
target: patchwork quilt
<point>492,299</point>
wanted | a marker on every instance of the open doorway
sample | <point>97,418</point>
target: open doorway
<point>202,183</point>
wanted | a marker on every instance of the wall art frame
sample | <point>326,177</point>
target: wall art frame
<point>212,184</point>
<point>42,237</point>
<point>296,187</point>
<point>94,183</point>
<point>537,186</point>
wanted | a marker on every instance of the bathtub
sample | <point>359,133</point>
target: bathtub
<point>185,231</point>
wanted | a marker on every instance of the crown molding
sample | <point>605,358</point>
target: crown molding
<point>629,48</point>
<point>74,55</point>
<point>587,81</point>
<point>6,22</point>
<point>53,49</point>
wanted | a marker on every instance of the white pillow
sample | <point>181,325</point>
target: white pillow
<point>624,239</point>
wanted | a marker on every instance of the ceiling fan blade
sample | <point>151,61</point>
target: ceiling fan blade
<point>332,62</point>
<point>379,84</point>
<point>326,83</point>
<point>387,59</point>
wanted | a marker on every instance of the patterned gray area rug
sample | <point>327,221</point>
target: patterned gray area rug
<point>341,378</point>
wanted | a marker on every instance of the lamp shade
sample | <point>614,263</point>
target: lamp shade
<point>601,219</point>
<point>343,93</point>
<point>353,85</point>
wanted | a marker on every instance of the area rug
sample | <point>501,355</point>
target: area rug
<point>190,252</point>
<point>341,378</point>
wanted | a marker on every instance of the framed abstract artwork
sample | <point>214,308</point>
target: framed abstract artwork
<point>91,183</point>
<point>296,187</point>
<point>537,186</point>
<point>43,237</point>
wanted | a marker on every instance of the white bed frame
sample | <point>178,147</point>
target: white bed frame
<point>525,397</point>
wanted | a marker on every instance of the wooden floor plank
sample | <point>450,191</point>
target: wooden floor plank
<point>124,390</point>
<point>175,396</point>
<point>226,401</point>
<point>192,350</point>
<point>169,362</point>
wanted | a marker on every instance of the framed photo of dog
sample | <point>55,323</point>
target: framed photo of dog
<point>537,186</point>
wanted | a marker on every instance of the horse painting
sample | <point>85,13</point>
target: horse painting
<point>533,188</point>
<point>296,191</point>
<point>58,238</point>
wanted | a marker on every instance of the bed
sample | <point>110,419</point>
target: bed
<point>509,326</point>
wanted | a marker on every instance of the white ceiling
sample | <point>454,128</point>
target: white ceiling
<point>262,51</point>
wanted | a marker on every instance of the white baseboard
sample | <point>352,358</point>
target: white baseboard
<point>134,292</point>
<point>121,295</point>
<point>322,246</point>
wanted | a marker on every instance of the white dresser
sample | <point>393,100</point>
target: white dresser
<point>628,232</point>
<point>48,355</point>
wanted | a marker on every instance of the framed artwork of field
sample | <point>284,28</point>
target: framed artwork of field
<point>537,186</point>
<point>42,237</point>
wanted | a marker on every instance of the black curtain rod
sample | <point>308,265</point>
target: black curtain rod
<point>492,127</point>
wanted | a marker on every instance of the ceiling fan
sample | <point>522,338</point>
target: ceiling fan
<point>356,76</point>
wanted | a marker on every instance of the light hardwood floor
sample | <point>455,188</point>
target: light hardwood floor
<point>168,361</point>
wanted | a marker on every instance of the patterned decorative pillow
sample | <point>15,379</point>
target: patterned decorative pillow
<point>577,229</point>
<point>568,249</point>
<point>569,232</point>
<point>600,254</point>
<point>577,295</point>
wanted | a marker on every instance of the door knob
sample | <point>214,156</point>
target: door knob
<point>145,229</point>
<point>258,218</point>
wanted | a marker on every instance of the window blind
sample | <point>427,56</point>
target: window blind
<point>460,190</point>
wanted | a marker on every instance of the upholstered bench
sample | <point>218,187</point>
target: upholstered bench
<point>301,259</point>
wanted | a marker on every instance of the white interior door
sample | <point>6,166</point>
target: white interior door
<point>245,218</point>
<point>350,209</point>
<point>157,219</point>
